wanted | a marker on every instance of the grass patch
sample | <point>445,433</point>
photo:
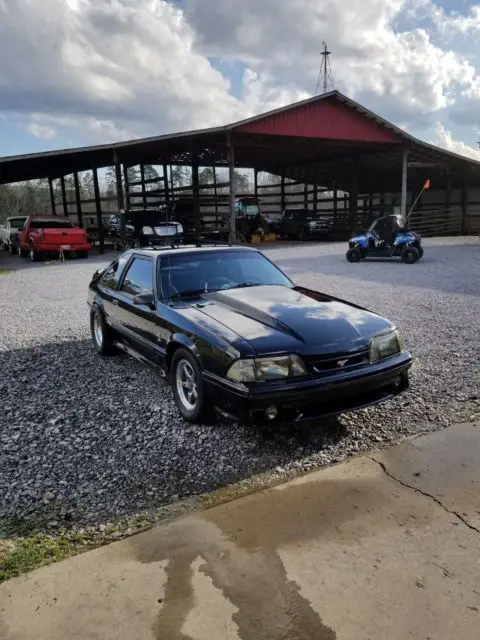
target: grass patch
<point>3,272</point>
<point>34,551</point>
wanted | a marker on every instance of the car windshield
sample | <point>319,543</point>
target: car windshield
<point>17,223</point>
<point>189,274</point>
<point>49,223</point>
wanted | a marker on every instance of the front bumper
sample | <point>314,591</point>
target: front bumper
<point>307,399</point>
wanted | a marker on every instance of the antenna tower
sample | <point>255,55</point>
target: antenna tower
<point>325,76</point>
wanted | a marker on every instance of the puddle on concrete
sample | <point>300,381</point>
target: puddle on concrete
<point>239,544</point>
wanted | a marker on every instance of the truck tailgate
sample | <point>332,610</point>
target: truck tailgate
<point>60,237</point>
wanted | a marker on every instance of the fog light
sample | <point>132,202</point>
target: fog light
<point>271,412</point>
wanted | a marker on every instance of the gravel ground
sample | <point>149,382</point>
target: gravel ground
<point>86,439</point>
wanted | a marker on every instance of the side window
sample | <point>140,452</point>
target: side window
<point>139,277</point>
<point>112,276</point>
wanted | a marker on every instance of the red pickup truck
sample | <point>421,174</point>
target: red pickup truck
<point>42,235</point>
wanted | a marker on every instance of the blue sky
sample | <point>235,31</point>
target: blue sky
<point>78,72</point>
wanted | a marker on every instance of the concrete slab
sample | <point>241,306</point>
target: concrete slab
<point>443,464</point>
<point>346,553</point>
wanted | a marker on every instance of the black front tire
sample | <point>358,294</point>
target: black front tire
<point>354,255</point>
<point>23,253</point>
<point>199,412</point>
<point>421,252</point>
<point>102,334</point>
<point>34,255</point>
<point>301,235</point>
<point>410,255</point>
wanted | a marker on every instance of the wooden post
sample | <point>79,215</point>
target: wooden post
<point>403,201</point>
<point>64,196</point>
<point>196,196</point>
<point>98,207</point>
<point>464,206</point>
<point>305,196</point>
<point>78,200</point>
<point>215,191</point>
<point>52,197</point>
<point>127,186</point>
<point>335,205</point>
<point>282,192</point>
<point>165,183</point>
<point>353,200</point>
<point>118,179</point>
<point>143,186</point>
<point>231,179</point>
<point>255,182</point>
<point>315,198</point>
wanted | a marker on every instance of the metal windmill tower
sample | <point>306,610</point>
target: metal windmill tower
<point>325,80</point>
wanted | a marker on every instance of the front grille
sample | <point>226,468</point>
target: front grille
<point>318,365</point>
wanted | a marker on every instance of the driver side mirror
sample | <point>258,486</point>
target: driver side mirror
<point>146,299</point>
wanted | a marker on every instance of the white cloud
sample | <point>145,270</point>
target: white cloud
<point>42,131</point>
<point>103,70</point>
<point>443,138</point>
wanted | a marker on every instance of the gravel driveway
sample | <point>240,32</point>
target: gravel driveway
<point>91,439</point>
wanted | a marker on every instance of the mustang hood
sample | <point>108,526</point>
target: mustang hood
<point>276,318</point>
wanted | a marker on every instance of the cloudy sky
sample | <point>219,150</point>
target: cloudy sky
<point>75,72</point>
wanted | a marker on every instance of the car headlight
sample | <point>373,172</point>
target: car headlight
<point>263,369</point>
<point>386,345</point>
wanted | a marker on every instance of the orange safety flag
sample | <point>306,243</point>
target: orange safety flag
<point>427,184</point>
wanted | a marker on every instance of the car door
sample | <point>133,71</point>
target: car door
<point>108,286</point>
<point>138,321</point>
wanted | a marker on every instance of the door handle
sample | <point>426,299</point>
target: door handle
<point>115,302</point>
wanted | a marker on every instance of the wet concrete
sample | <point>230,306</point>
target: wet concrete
<point>366,549</point>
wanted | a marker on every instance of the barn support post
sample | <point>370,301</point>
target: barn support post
<point>127,186</point>
<point>315,198</point>
<point>305,196</point>
<point>353,200</point>
<point>52,197</point>
<point>448,192</point>
<point>196,196</point>
<point>231,180</point>
<point>78,199</point>
<point>98,208</point>
<point>403,202</point>
<point>255,182</point>
<point>335,205</point>
<point>64,196</point>
<point>282,192</point>
<point>143,186</point>
<point>166,185</point>
<point>464,207</point>
<point>215,191</point>
<point>118,180</point>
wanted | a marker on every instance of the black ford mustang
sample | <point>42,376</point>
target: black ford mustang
<point>235,334</point>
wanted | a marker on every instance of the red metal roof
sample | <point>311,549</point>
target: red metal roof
<point>326,119</point>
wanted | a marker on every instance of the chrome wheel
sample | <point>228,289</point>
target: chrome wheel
<point>186,385</point>
<point>98,330</point>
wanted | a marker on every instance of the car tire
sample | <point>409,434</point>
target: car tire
<point>190,400</point>
<point>410,255</point>
<point>301,235</point>
<point>102,334</point>
<point>11,249</point>
<point>354,255</point>
<point>34,255</point>
<point>23,253</point>
<point>421,252</point>
<point>83,255</point>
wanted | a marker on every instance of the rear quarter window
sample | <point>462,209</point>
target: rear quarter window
<point>112,275</point>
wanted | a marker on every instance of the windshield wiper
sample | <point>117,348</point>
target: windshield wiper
<point>244,285</point>
<point>190,293</point>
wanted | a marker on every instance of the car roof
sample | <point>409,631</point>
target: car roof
<point>190,249</point>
